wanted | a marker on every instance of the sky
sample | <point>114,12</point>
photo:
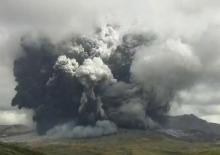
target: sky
<point>193,22</point>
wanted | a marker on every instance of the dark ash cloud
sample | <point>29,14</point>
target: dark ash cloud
<point>154,56</point>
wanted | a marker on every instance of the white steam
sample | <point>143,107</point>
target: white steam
<point>70,130</point>
<point>93,71</point>
<point>166,68</point>
<point>67,65</point>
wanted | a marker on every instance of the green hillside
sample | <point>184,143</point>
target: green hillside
<point>6,149</point>
<point>128,143</point>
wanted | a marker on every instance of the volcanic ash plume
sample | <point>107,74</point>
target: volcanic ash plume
<point>87,86</point>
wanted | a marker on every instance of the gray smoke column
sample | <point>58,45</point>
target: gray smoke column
<point>164,69</point>
<point>88,85</point>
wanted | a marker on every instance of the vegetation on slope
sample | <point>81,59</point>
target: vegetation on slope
<point>129,144</point>
<point>6,149</point>
<point>123,143</point>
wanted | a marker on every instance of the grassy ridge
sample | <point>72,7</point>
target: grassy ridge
<point>131,143</point>
<point>6,149</point>
<point>128,144</point>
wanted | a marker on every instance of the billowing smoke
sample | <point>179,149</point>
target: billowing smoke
<point>164,69</point>
<point>70,129</point>
<point>88,85</point>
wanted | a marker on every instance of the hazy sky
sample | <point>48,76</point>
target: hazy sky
<point>194,22</point>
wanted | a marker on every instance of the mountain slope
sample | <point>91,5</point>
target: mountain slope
<point>11,130</point>
<point>191,122</point>
<point>127,142</point>
<point>6,149</point>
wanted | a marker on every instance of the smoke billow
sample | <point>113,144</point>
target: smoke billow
<point>89,83</point>
<point>70,129</point>
<point>101,81</point>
